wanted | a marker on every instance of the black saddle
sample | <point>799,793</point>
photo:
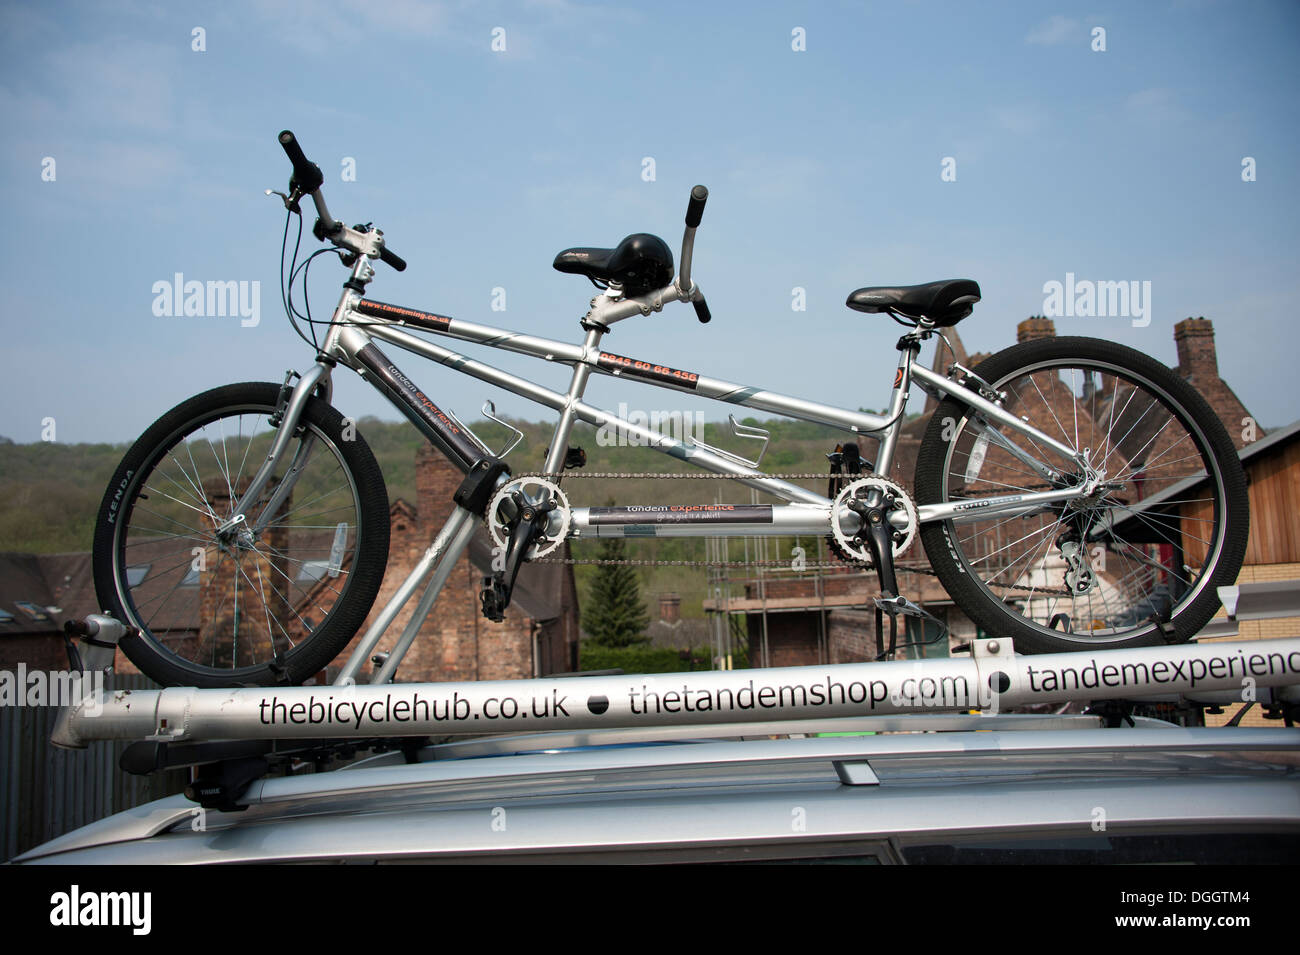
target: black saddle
<point>640,263</point>
<point>944,303</point>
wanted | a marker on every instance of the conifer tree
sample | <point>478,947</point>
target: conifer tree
<point>615,616</point>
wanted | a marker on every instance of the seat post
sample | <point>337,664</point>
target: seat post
<point>897,404</point>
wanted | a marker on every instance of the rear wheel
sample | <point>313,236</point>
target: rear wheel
<point>1135,563</point>
<point>220,602</point>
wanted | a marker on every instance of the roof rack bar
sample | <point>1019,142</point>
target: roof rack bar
<point>1266,600</point>
<point>879,750</point>
<point>852,725</point>
<point>992,677</point>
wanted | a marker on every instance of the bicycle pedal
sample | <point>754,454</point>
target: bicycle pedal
<point>900,604</point>
<point>494,599</point>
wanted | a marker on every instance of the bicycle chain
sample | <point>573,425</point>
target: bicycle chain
<point>843,558</point>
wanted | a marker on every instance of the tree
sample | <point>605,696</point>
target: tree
<point>615,616</point>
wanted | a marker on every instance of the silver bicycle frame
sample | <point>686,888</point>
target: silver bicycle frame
<point>358,322</point>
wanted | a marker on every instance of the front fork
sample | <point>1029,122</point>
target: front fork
<point>289,411</point>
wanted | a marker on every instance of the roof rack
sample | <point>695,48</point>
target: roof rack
<point>845,726</point>
<point>235,735</point>
<point>992,678</point>
<point>864,762</point>
<point>852,757</point>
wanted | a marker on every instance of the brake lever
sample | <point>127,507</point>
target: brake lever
<point>290,202</point>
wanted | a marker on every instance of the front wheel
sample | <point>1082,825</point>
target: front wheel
<point>1134,563</point>
<point>220,601</point>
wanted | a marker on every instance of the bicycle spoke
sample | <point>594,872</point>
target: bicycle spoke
<point>288,603</point>
<point>248,446</point>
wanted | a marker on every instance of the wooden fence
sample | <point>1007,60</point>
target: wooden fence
<point>46,791</point>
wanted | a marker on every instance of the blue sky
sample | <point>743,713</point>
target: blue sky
<point>824,166</point>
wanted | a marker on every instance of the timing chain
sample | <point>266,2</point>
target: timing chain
<point>843,559</point>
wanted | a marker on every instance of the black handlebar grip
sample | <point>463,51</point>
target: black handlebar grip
<point>307,175</point>
<point>396,261</point>
<point>702,311</point>
<point>695,210</point>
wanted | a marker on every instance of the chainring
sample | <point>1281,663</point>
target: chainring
<point>845,548</point>
<point>533,490</point>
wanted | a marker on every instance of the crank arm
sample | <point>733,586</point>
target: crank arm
<point>526,528</point>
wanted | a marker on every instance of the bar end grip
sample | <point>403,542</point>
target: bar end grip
<point>702,311</point>
<point>695,209</point>
<point>307,175</point>
<point>396,261</point>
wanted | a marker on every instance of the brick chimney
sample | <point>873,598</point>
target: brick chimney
<point>943,359</point>
<point>1035,327</point>
<point>1197,358</point>
<point>1198,363</point>
<point>228,602</point>
<point>670,608</point>
<point>436,480</point>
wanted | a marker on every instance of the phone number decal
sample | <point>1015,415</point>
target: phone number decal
<point>635,368</point>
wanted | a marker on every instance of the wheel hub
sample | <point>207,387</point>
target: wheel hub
<point>235,534</point>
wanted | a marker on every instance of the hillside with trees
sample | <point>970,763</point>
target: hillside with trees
<point>50,492</point>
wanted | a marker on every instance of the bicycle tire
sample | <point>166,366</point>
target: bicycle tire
<point>160,566</point>
<point>1150,583</point>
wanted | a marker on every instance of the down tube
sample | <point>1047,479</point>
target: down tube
<point>442,429</point>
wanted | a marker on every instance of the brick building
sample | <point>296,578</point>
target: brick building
<point>37,593</point>
<point>1273,553</point>
<point>540,632</point>
<point>539,635</point>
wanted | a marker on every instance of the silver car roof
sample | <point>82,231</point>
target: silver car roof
<point>621,794</point>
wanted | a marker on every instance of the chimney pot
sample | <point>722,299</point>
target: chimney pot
<point>1035,327</point>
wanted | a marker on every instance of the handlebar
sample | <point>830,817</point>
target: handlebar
<point>396,261</point>
<point>694,212</point>
<point>307,181</point>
